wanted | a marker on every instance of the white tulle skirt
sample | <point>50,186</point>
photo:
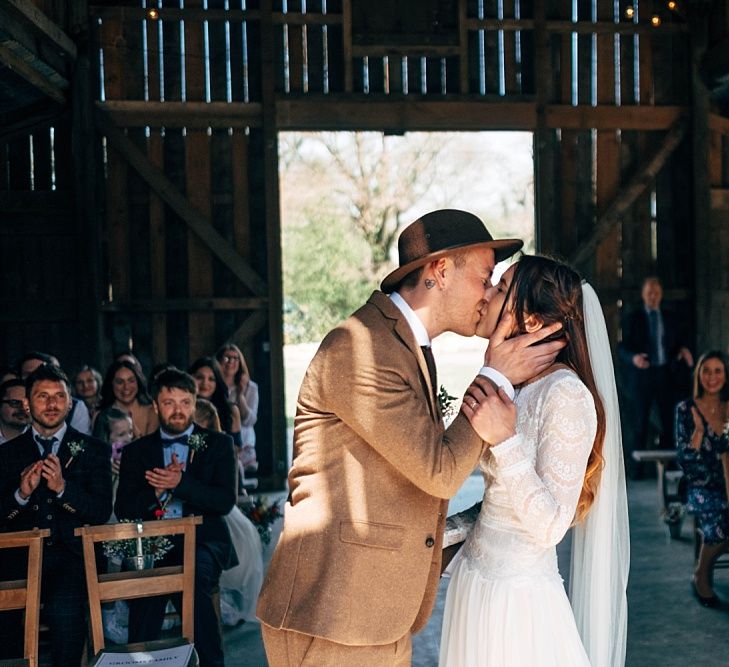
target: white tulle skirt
<point>240,585</point>
<point>509,622</point>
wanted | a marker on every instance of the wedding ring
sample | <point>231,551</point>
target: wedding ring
<point>474,403</point>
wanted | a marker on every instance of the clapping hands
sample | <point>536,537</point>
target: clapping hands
<point>167,478</point>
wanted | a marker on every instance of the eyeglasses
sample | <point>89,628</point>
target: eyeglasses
<point>13,402</point>
<point>228,357</point>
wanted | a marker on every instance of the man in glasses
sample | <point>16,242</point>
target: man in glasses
<point>14,415</point>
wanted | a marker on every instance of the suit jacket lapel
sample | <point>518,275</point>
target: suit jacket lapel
<point>402,330</point>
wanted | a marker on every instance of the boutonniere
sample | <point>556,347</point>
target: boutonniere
<point>445,401</point>
<point>75,447</point>
<point>196,442</point>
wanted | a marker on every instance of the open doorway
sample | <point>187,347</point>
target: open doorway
<point>344,198</point>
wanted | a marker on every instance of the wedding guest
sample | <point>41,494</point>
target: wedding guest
<point>178,470</point>
<point>239,585</point>
<point>78,416</point>
<point>210,385</point>
<point>87,387</point>
<point>115,427</point>
<point>125,388</point>
<point>702,444</point>
<point>654,356</point>
<point>8,373</point>
<point>244,393</point>
<point>14,415</point>
<point>53,477</point>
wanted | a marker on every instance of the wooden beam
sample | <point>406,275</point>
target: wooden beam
<point>718,123</point>
<point>460,113</point>
<point>252,325</point>
<point>609,117</point>
<point>44,25</point>
<point>179,204</point>
<point>579,27</point>
<point>34,71</point>
<point>199,115</point>
<point>162,305</point>
<point>630,192</point>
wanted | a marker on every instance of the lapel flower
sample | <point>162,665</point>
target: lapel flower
<point>445,401</point>
<point>75,448</point>
<point>196,442</point>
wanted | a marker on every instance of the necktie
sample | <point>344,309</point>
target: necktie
<point>430,363</point>
<point>47,445</point>
<point>179,440</point>
<point>653,325</point>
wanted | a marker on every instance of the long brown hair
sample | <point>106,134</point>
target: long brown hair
<point>552,290</point>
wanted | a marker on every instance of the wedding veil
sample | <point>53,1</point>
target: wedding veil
<point>601,543</point>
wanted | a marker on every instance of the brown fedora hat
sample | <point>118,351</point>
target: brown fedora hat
<point>442,233</point>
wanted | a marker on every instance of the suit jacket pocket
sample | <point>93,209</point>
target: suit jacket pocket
<point>377,535</point>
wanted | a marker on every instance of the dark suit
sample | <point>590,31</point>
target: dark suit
<point>85,500</point>
<point>207,489</point>
<point>659,383</point>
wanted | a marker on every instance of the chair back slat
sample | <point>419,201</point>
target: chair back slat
<point>25,593</point>
<point>140,584</point>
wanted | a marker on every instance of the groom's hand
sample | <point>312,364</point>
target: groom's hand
<point>518,358</point>
<point>490,411</point>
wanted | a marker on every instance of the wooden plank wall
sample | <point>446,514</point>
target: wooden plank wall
<point>202,91</point>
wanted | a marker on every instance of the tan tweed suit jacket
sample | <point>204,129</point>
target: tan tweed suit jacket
<point>358,561</point>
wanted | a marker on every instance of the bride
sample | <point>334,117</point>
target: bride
<point>563,467</point>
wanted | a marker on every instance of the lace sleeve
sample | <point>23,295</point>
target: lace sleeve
<point>545,492</point>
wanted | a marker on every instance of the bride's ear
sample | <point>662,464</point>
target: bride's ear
<point>533,323</point>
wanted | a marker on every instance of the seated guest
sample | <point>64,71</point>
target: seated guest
<point>243,392</point>
<point>87,387</point>
<point>114,426</point>
<point>78,416</point>
<point>125,388</point>
<point>210,385</point>
<point>53,477</point>
<point>14,415</point>
<point>181,469</point>
<point>240,585</point>
<point>701,442</point>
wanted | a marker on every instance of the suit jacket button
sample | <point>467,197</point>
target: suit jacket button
<point>35,508</point>
<point>429,542</point>
<point>49,517</point>
<point>49,500</point>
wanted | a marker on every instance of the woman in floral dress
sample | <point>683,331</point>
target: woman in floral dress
<point>702,445</point>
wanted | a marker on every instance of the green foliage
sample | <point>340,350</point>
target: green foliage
<point>324,264</point>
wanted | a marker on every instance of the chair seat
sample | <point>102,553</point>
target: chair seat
<point>157,646</point>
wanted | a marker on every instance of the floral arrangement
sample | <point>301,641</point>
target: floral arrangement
<point>156,547</point>
<point>196,442</point>
<point>262,516</point>
<point>75,447</point>
<point>445,401</point>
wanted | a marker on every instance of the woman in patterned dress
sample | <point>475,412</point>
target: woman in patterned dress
<point>702,444</point>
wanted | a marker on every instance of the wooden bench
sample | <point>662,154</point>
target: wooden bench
<point>665,480</point>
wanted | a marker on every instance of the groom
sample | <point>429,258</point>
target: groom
<point>357,567</point>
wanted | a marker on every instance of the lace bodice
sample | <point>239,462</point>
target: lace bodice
<point>534,480</point>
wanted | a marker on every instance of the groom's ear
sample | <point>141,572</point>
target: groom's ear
<point>533,323</point>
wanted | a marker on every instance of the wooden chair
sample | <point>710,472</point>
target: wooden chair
<point>140,583</point>
<point>25,593</point>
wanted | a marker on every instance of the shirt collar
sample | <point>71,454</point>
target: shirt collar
<point>418,328</point>
<point>171,436</point>
<point>59,434</point>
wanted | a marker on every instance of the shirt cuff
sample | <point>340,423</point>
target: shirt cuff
<point>499,379</point>
<point>20,500</point>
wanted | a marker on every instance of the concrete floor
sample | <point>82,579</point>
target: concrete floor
<point>666,626</point>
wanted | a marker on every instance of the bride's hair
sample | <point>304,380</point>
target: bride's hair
<point>552,290</point>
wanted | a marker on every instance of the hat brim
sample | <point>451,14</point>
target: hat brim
<point>503,249</point>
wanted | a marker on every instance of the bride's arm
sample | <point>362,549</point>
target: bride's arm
<point>544,493</point>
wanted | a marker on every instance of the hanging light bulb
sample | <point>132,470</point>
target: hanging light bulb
<point>629,12</point>
<point>672,5</point>
<point>153,14</point>
<point>655,20</point>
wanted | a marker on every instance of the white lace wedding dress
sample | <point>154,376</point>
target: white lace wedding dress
<point>506,605</point>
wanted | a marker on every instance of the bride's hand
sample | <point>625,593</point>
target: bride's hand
<point>490,411</point>
<point>518,358</point>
